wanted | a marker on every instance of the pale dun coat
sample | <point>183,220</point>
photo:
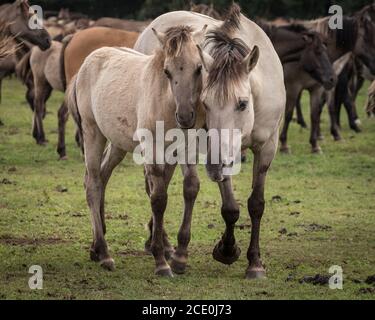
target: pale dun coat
<point>118,91</point>
<point>267,90</point>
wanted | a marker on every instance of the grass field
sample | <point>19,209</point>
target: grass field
<point>324,215</point>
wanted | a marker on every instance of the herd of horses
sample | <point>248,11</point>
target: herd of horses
<point>190,69</point>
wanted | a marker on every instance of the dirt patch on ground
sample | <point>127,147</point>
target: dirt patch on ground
<point>133,253</point>
<point>15,241</point>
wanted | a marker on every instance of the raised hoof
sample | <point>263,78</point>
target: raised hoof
<point>108,264</point>
<point>178,267</point>
<point>317,150</point>
<point>227,259</point>
<point>285,150</point>
<point>94,256</point>
<point>164,272</point>
<point>255,273</point>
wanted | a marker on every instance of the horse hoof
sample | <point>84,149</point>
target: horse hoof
<point>108,264</point>
<point>337,138</point>
<point>285,150</point>
<point>64,158</point>
<point>94,256</point>
<point>227,259</point>
<point>168,253</point>
<point>42,143</point>
<point>165,272</point>
<point>317,150</point>
<point>358,122</point>
<point>255,273</point>
<point>178,266</point>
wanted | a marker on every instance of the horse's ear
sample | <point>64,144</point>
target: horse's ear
<point>251,59</point>
<point>24,6</point>
<point>207,60</point>
<point>198,36</point>
<point>160,36</point>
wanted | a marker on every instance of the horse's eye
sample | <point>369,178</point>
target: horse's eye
<point>168,74</point>
<point>242,105</point>
<point>199,70</point>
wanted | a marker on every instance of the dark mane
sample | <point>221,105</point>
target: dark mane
<point>227,70</point>
<point>347,37</point>
<point>176,37</point>
<point>295,27</point>
<point>232,19</point>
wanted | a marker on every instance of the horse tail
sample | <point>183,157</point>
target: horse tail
<point>23,68</point>
<point>71,103</point>
<point>65,43</point>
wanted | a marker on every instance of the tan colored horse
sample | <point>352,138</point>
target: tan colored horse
<point>118,91</point>
<point>255,108</point>
<point>127,25</point>
<point>75,50</point>
<point>45,67</point>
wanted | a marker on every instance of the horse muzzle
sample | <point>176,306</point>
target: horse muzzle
<point>186,121</point>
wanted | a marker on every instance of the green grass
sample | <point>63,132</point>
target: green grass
<point>41,226</point>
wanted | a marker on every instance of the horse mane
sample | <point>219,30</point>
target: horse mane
<point>227,69</point>
<point>294,27</point>
<point>344,38</point>
<point>175,38</point>
<point>232,20</point>
<point>6,42</point>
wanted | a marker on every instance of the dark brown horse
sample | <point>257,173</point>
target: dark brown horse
<point>306,66</point>
<point>356,37</point>
<point>16,18</point>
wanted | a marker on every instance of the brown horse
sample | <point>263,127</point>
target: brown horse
<point>357,37</point>
<point>127,25</point>
<point>306,66</point>
<point>16,18</point>
<point>205,9</point>
<point>75,50</point>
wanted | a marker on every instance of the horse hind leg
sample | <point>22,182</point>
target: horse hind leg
<point>62,116</point>
<point>191,189</point>
<point>227,251</point>
<point>95,144</point>
<point>112,157</point>
<point>42,92</point>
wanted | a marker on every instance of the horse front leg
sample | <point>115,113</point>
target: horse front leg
<point>168,248</point>
<point>333,116</point>
<point>62,119</point>
<point>300,119</point>
<point>262,161</point>
<point>227,251</point>
<point>159,198</point>
<point>315,112</point>
<point>292,95</point>
<point>191,190</point>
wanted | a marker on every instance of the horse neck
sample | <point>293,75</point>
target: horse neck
<point>158,82</point>
<point>289,45</point>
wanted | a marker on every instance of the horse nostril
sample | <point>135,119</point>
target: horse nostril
<point>192,115</point>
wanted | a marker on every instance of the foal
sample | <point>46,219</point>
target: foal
<point>118,91</point>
